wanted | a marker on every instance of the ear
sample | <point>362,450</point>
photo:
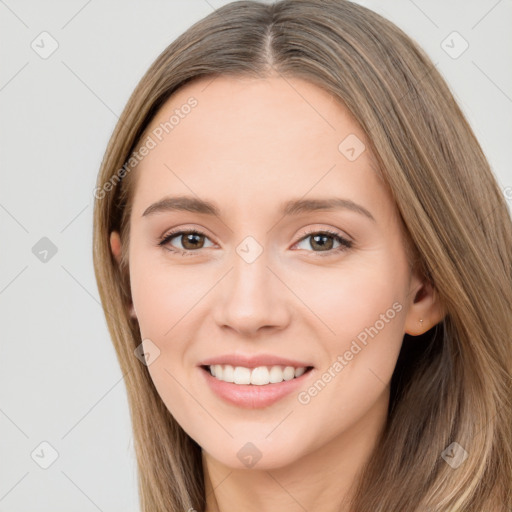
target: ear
<point>425,306</point>
<point>115,247</point>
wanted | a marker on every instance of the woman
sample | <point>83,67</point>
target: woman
<point>306,268</point>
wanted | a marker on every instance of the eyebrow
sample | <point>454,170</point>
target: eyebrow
<point>289,208</point>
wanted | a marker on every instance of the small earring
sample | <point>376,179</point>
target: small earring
<point>421,322</point>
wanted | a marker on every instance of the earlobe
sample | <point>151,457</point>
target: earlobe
<point>425,310</point>
<point>115,245</point>
<point>133,313</point>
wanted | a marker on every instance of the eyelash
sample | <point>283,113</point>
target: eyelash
<point>344,243</point>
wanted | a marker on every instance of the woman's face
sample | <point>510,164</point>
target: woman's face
<point>260,283</point>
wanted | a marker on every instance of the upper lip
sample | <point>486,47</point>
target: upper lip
<point>253,361</point>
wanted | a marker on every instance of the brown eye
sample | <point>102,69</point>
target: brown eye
<point>323,242</point>
<point>191,241</point>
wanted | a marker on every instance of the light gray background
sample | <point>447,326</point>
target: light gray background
<point>60,381</point>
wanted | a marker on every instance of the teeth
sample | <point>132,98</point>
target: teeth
<point>257,376</point>
<point>299,371</point>
<point>260,376</point>
<point>240,376</point>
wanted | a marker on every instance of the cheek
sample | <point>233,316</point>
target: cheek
<point>162,294</point>
<point>163,298</point>
<point>352,297</point>
<point>361,308</point>
<point>364,311</point>
<point>167,300</point>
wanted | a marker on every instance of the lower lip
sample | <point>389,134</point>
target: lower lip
<point>251,396</point>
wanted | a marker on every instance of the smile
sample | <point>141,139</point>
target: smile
<point>259,376</point>
<point>256,387</point>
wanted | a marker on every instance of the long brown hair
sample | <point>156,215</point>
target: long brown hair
<point>451,384</point>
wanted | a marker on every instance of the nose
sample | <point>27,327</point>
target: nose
<point>252,298</point>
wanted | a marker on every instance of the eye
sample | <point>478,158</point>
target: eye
<point>324,241</point>
<point>190,241</point>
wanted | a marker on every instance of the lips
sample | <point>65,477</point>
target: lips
<point>254,361</point>
<point>249,396</point>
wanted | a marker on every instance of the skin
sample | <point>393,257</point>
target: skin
<point>248,146</point>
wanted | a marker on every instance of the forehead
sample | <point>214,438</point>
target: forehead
<point>243,138</point>
<point>233,110</point>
